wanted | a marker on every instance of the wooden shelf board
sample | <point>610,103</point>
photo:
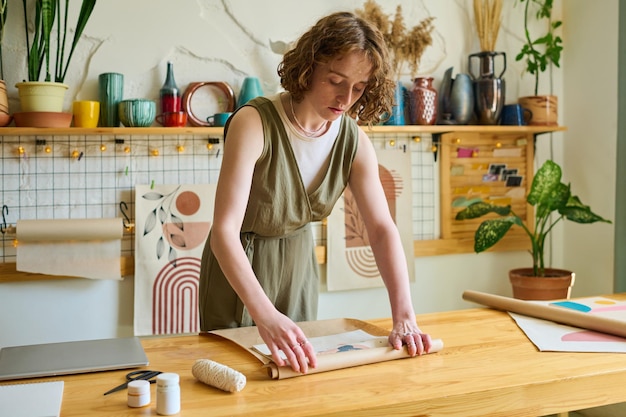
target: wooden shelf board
<point>159,130</point>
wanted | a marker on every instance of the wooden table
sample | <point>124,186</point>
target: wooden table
<point>487,368</point>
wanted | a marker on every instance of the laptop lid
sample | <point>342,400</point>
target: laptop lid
<point>64,358</point>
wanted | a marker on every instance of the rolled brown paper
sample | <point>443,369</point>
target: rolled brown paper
<point>334,361</point>
<point>69,229</point>
<point>554,313</point>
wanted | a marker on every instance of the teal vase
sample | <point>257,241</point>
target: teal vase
<point>250,89</point>
<point>396,118</point>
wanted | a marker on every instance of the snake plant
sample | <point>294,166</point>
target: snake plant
<point>48,16</point>
<point>553,202</point>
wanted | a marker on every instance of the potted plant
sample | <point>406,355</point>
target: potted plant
<point>50,18</point>
<point>553,201</point>
<point>538,53</point>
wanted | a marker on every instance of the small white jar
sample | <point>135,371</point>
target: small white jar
<point>167,394</point>
<point>138,393</point>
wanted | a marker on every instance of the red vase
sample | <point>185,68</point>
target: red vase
<point>423,102</point>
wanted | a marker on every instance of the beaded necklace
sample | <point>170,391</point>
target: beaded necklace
<point>308,133</point>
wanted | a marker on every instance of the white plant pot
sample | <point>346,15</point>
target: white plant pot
<point>41,96</point>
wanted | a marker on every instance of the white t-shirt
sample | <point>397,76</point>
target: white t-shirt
<point>312,154</point>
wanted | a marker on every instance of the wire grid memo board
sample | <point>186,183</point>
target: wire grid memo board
<point>88,176</point>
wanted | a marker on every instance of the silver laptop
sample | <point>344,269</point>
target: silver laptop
<point>50,359</point>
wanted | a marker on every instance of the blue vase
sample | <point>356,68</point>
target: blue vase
<point>397,112</point>
<point>250,89</point>
<point>461,102</point>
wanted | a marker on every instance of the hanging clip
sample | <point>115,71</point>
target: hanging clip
<point>128,225</point>
<point>5,212</point>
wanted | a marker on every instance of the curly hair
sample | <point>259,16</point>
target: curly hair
<point>334,36</point>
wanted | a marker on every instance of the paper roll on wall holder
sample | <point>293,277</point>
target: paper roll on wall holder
<point>12,231</point>
<point>86,248</point>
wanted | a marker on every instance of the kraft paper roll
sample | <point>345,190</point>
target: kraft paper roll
<point>69,229</point>
<point>348,359</point>
<point>557,314</point>
<point>247,337</point>
<point>85,248</point>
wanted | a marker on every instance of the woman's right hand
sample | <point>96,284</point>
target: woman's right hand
<point>281,333</point>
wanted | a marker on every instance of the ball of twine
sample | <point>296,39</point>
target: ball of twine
<point>218,375</point>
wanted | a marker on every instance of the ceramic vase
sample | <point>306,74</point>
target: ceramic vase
<point>397,116</point>
<point>462,99</point>
<point>424,102</point>
<point>250,89</point>
<point>111,93</point>
<point>169,93</point>
<point>489,87</point>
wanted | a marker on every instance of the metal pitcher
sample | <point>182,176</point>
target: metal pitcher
<point>488,88</point>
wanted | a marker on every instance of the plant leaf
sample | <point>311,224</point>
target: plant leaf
<point>546,180</point>
<point>555,199</point>
<point>177,221</point>
<point>160,247</point>
<point>85,12</point>
<point>153,196</point>
<point>150,222</point>
<point>172,256</point>
<point>178,240</point>
<point>577,212</point>
<point>162,215</point>
<point>491,231</point>
<point>481,208</point>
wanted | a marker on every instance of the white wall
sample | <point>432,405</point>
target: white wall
<point>210,40</point>
<point>590,146</point>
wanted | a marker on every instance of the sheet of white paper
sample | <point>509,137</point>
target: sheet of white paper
<point>550,336</point>
<point>31,400</point>
<point>94,260</point>
<point>354,340</point>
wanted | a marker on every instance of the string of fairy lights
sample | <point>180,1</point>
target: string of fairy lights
<point>77,148</point>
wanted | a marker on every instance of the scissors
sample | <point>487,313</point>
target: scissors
<point>134,376</point>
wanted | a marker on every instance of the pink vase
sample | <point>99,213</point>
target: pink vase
<point>423,102</point>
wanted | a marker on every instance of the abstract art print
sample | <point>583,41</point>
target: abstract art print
<point>547,335</point>
<point>172,223</point>
<point>350,260</point>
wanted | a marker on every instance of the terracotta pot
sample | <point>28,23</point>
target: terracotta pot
<point>543,109</point>
<point>556,285</point>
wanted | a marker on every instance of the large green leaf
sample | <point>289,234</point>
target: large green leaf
<point>577,212</point>
<point>491,231</point>
<point>481,208</point>
<point>546,180</point>
<point>554,199</point>
<point>85,13</point>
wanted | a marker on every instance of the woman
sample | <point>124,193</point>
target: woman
<point>287,160</point>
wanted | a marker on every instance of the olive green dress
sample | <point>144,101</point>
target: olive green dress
<point>276,232</point>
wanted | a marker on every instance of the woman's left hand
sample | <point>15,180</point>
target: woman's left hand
<point>408,333</point>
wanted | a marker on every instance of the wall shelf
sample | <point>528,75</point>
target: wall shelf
<point>471,135</point>
<point>157,130</point>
